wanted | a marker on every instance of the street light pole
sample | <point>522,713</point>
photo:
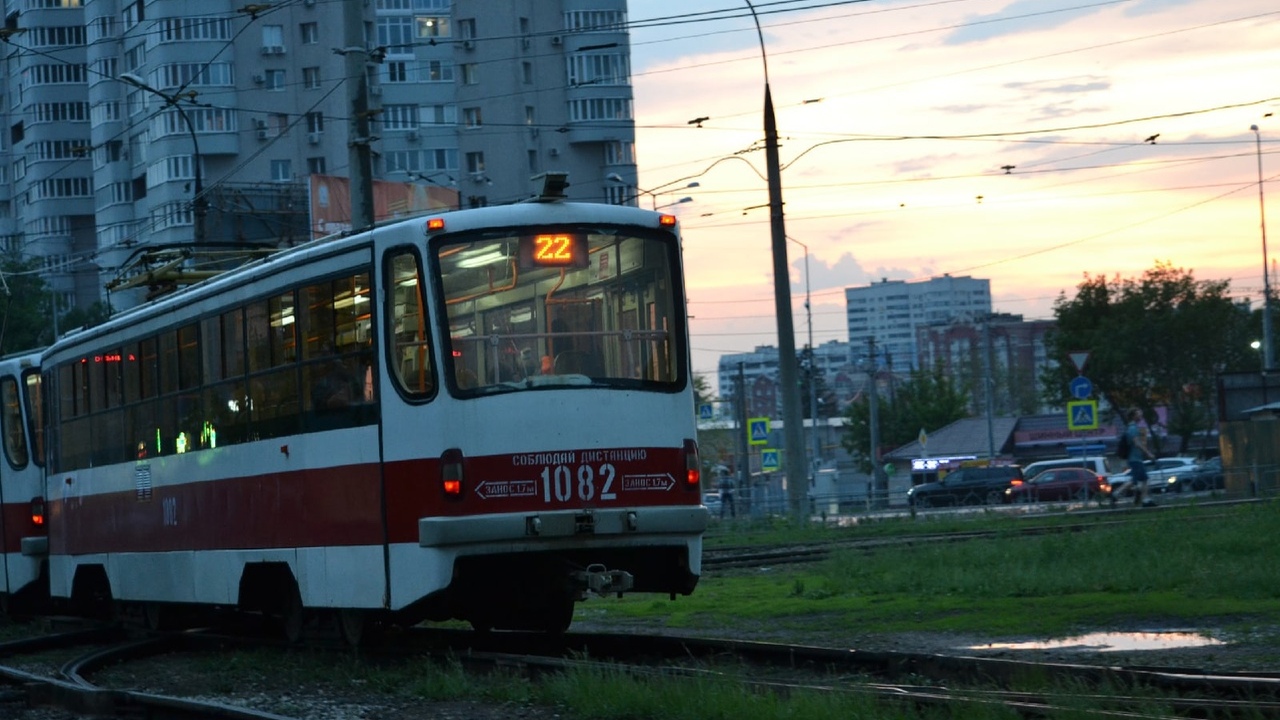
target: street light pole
<point>812,373</point>
<point>199,204</point>
<point>653,194</point>
<point>1268,347</point>
<point>792,435</point>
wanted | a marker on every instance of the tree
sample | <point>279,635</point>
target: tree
<point>26,310</point>
<point>1156,341</point>
<point>928,399</point>
<point>701,392</point>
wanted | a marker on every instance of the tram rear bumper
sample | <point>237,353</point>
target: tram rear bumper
<point>646,521</point>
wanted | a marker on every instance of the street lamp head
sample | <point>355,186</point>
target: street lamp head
<point>132,79</point>
<point>615,177</point>
<point>1253,128</point>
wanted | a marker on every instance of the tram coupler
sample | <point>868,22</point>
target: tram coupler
<point>602,581</point>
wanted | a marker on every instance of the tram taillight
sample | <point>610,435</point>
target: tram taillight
<point>692,468</point>
<point>666,220</point>
<point>451,473</point>
<point>37,511</point>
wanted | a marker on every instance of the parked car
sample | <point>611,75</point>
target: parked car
<point>966,486</point>
<point>1159,474</point>
<point>1098,464</point>
<point>1207,475</point>
<point>1062,483</point>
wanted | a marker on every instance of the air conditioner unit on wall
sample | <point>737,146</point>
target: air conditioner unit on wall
<point>313,138</point>
<point>375,90</point>
<point>554,152</point>
<point>468,44</point>
<point>259,78</point>
<point>262,134</point>
<point>412,135</point>
<point>557,40</point>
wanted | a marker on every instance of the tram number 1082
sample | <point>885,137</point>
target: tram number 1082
<point>559,483</point>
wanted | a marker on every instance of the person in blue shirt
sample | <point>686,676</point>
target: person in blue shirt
<point>1138,454</point>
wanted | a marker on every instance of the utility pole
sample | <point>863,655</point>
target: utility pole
<point>744,471</point>
<point>359,154</point>
<point>991,433</point>
<point>873,403</point>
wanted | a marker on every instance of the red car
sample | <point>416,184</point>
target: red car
<point>1068,483</point>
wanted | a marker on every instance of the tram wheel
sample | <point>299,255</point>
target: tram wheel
<point>293,616</point>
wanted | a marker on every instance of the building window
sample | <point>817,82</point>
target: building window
<point>467,29</point>
<point>280,171</point>
<point>619,152</point>
<point>526,73</point>
<point>533,162</point>
<point>439,115</point>
<point>273,37</point>
<point>396,35</point>
<point>310,33</point>
<point>470,74</point>
<point>315,122</point>
<point>399,117</point>
<point>311,78</point>
<point>599,69</point>
<point>396,72</point>
<point>315,166</point>
<point>437,71</point>
<point>471,117</point>
<point>475,162</point>
<point>600,109</point>
<point>274,80</point>
<point>595,20</point>
<point>432,27</point>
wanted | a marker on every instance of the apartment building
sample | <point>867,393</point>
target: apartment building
<point>889,313</point>
<point>136,125</point>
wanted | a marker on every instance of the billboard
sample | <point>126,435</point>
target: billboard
<point>330,201</point>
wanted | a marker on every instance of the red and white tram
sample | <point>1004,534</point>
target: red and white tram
<point>478,415</point>
<point>22,507</point>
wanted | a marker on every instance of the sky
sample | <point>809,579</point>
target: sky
<point>1126,123</point>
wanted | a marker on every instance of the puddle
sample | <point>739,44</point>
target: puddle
<point>1110,642</point>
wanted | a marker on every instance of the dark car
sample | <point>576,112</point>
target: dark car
<point>966,486</point>
<point>1064,483</point>
<point>1204,476</point>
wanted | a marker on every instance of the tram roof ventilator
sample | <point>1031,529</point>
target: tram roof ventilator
<point>552,186</point>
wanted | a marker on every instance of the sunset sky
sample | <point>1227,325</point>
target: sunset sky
<point>896,118</point>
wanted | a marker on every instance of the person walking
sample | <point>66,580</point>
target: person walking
<point>1138,454</point>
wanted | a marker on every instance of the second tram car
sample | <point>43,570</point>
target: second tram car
<point>478,415</point>
<point>22,507</point>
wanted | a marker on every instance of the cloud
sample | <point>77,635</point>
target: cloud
<point>1020,17</point>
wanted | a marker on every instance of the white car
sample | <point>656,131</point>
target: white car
<point>1100,466</point>
<point>1160,474</point>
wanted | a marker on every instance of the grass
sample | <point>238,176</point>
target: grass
<point>1187,566</point>
<point>1167,566</point>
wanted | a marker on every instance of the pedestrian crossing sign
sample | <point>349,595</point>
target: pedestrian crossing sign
<point>1082,415</point>
<point>704,411</point>
<point>769,461</point>
<point>758,431</point>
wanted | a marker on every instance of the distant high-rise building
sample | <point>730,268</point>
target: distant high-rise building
<point>117,110</point>
<point>890,311</point>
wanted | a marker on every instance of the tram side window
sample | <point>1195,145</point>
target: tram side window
<point>35,414</point>
<point>15,441</point>
<point>410,356</point>
<point>273,380</point>
<point>337,372</point>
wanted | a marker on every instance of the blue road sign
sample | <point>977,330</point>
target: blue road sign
<point>1080,387</point>
<point>1082,415</point>
<point>704,411</point>
<point>758,431</point>
<point>769,461</point>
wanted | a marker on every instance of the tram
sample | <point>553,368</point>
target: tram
<point>482,415</point>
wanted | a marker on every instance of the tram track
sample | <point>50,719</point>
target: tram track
<point>920,680</point>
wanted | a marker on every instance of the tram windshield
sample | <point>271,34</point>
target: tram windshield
<point>564,305</point>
